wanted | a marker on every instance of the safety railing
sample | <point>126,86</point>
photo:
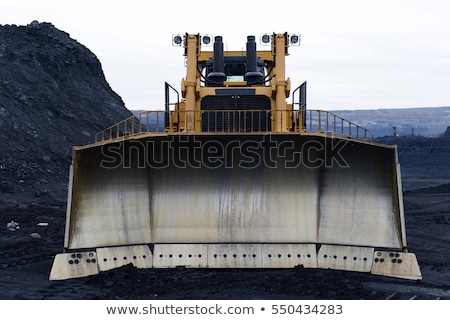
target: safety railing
<point>320,121</point>
<point>235,121</point>
<point>143,122</point>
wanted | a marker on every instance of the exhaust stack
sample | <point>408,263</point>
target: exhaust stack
<point>252,76</point>
<point>218,76</point>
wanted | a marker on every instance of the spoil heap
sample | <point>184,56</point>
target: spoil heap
<point>53,96</point>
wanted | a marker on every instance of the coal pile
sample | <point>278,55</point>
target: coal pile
<point>53,96</point>
<point>423,160</point>
<point>446,134</point>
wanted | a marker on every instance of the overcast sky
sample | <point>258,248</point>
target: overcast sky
<point>354,54</point>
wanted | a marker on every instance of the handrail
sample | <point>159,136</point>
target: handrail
<point>238,121</point>
<point>322,121</point>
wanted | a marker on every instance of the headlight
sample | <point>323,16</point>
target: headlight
<point>206,40</point>
<point>294,39</point>
<point>266,39</point>
<point>177,40</point>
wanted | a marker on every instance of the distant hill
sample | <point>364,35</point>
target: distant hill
<point>443,188</point>
<point>430,121</point>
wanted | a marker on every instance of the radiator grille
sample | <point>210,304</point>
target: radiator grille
<point>236,113</point>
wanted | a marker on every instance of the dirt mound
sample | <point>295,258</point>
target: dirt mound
<point>443,188</point>
<point>423,160</point>
<point>53,95</point>
<point>446,134</point>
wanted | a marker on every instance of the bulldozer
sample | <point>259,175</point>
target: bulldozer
<point>235,173</point>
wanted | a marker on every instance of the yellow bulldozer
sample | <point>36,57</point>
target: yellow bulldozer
<point>233,175</point>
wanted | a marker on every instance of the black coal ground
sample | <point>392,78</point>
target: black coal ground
<point>26,263</point>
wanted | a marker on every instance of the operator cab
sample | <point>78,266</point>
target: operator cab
<point>235,68</point>
<point>246,70</point>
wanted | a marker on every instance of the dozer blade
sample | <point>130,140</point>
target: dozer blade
<point>248,201</point>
